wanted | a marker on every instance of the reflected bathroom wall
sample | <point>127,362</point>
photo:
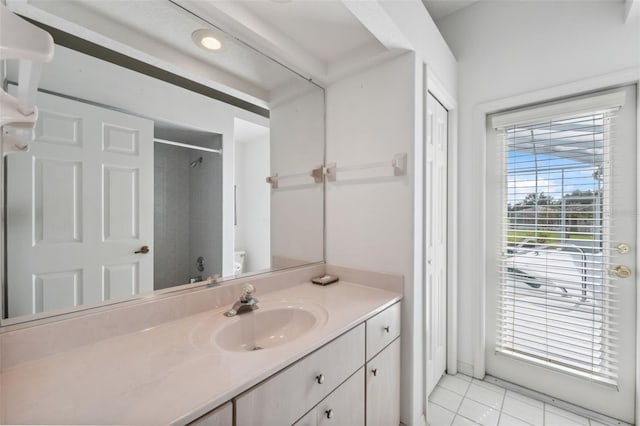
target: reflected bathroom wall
<point>252,221</point>
<point>296,138</point>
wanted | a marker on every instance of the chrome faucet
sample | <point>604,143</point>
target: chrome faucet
<point>246,303</point>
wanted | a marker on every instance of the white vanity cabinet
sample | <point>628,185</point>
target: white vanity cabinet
<point>353,380</point>
<point>221,416</point>
<point>287,396</point>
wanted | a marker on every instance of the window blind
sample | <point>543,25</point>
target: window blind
<point>556,302</point>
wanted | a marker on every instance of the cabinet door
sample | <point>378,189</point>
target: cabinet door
<point>345,405</point>
<point>383,387</point>
<point>221,416</point>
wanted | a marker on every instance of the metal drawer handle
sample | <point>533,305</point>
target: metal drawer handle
<point>329,413</point>
<point>386,328</point>
<point>374,371</point>
<point>320,379</point>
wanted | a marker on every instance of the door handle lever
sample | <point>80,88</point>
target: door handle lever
<point>143,250</point>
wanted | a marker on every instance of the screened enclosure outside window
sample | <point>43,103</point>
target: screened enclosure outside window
<point>555,300</point>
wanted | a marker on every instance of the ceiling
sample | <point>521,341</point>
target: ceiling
<point>173,26</point>
<point>438,9</point>
<point>155,26</point>
<point>321,40</point>
<point>327,29</point>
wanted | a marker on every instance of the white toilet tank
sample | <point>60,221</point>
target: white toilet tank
<point>238,261</point>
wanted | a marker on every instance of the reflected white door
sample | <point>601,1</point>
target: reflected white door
<point>436,241</point>
<point>79,204</point>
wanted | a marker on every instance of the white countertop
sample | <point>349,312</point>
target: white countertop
<point>172,373</point>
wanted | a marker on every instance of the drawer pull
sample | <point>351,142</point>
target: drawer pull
<point>386,328</point>
<point>320,379</point>
<point>374,371</point>
<point>329,413</point>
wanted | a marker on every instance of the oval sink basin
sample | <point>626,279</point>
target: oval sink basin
<point>268,327</point>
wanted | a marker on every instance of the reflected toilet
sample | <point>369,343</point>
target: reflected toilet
<point>238,261</point>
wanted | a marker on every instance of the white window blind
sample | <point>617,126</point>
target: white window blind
<point>556,304</point>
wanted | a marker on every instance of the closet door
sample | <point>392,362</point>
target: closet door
<point>436,241</point>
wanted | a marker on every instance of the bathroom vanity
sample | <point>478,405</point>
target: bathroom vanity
<point>309,355</point>
<point>329,384</point>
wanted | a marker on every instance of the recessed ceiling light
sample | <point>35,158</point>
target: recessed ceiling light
<point>207,39</point>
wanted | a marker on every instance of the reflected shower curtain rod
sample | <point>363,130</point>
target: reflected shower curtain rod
<point>186,145</point>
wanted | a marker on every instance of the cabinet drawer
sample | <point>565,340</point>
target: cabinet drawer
<point>383,387</point>
<point>283,399</point>
<point>345,406</point>
<point>382,330</point>
<point>221,416</point>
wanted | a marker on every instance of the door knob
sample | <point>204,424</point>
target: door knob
<point>143,250</point>
<point>621,271</point>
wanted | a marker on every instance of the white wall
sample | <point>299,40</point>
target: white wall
<point>378,224</point>
<point>370,117</point>
<point>421,32</point>
<point>506,49</point>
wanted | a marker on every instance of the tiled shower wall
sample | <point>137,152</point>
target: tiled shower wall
<point>205,213</point>
<point>171,216</point>
<point>187,214</point>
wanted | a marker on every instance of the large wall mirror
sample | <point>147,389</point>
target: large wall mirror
<point>150,161</point>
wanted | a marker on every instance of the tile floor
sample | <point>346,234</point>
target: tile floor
<point>461,400</point>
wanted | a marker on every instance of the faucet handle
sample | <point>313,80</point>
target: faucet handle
<point>247,291</point>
